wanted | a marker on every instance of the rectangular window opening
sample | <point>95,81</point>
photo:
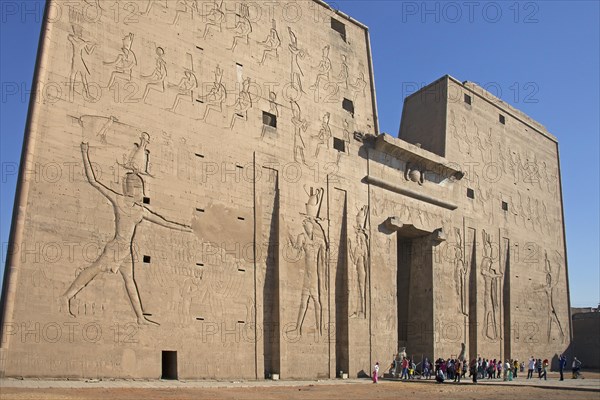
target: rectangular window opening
<point>505,206</point>
<point>199,265</point>
<point>241,270</point>
<point>269,119</point>
<point>470,193</point>
<point>502,119</point>
<point>169,365</point>
<point>339,27</point>
<point>241,218</point>
<point>199,319</point>
<point>147,259</point>
<point>146,200</point>
<point>348,105</point>
<point>339,144</point>
<point>199,155</point>
<point>200,209</point>
<point>467,99</point>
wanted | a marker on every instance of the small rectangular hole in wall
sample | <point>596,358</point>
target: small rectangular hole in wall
<point>241,322</point>
<point>467,99</point>
<point>169,365</point>
<point>147,314</point>
<point>147,259</point>
<point>241,218</point>
<point>239,166</point>
<point>339,145</point>
<point>505,206</point>
<point>199,48</point>
<point>470,193</point>
<point>348,105</point>
<point>241,270</point>
<point>199,265</point>
<point>199,101</point>
<point>199,209</point>
<point>146,200</point>
<point>239,65</point>
<point>339,27</point>
<point>240,115</point>
<point>502,119</point>
<point>269,119</point>
<point>199,319</point>
<point>199,155</point>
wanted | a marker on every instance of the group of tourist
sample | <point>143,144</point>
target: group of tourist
<point>479,368</point>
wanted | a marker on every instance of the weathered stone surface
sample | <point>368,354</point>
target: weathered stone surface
<point>207,196</point>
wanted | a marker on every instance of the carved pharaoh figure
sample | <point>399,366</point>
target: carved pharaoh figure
<point>324,69</point>
<point>185,88</point>
<point>242,104</point>
<point>359,256</point>
<point>215,18</point>
<point>243,27</point>
<point>492,284</point>
<point>123,63</point>
<point>216,96</point>
<point>156,80</point>
<point>461,273</point>
<point>297,53</point>
<point>324,135</point>
<point>549,289</point>
<point>313,244</point>
<point>272,44</point>
<point>78,64</point>
<point>300,125</point>
<point>117,255</point>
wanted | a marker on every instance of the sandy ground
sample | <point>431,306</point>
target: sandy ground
<point>588,388</point>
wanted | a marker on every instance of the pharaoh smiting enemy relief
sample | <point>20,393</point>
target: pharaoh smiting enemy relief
<point>129,211</point>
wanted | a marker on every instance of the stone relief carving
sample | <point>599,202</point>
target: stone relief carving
<point>117,255</point>
<point>184,7</point>
<point>461,273</point>
<point>243,27</point>
<point>156,80</point>
<point>105,128</point>
<point>215,18</point>
<point>323,70</point>
<point>492,289</point>
<point>414,173</point>
<point>359,86</point>
<point>81,48</point>
<point>186,86</point>
<point>151,3</point>
<point>312,242</point>
<point>359,256</point>
<point>344,75</point>
<point>346,137</point>
<point>300,125</point>
<point>138,160</point>
<point>324,135</point>
<point>242,104</point>
<point>272,44</point>
<point>124,62</point>
<point>216,96</point>
<point>549,288</point>
<point>297,53</point>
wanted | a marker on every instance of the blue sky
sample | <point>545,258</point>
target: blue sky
<point>541,57</point>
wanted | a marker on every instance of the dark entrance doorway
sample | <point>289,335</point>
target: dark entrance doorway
<point>169,365</point>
